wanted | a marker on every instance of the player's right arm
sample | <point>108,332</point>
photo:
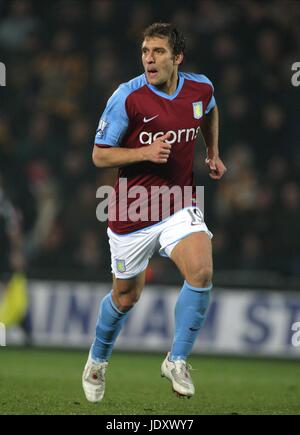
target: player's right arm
<point>113,125</point>
<point>111,157</point>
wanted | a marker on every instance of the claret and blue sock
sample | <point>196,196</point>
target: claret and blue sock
<point>109,324</point>
<point>190,314</point>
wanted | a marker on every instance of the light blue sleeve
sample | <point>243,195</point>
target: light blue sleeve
<point>114,120</point>
<point>211,104</point>
<point>212,101</point>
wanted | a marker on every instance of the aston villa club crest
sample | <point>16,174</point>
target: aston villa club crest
<point>198,109</point>
<point>120,265</point>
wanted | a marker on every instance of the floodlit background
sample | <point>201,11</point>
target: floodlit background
<point>64,58</point>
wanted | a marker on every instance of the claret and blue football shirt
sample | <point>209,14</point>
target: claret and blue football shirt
<point>136,115</point>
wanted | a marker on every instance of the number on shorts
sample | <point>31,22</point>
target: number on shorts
<point>196,216</point>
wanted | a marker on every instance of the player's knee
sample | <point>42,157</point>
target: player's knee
<point>126,301</point>
<point>200,276</point>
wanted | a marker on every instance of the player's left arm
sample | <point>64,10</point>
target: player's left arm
<point>210,133</point>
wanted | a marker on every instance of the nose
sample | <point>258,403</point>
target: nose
<point>149,58</point>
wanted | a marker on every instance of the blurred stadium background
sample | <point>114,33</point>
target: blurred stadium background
<point>63,59</point>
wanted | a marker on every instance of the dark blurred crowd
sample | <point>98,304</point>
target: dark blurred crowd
<point>64,59</point>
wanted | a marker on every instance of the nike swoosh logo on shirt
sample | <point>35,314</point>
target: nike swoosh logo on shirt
<point>150,119</point>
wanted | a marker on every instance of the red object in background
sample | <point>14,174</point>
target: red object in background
<point>149,274</point>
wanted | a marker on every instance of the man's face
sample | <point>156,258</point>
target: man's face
<point>158,60</point>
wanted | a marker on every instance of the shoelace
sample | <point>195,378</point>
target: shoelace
<point>183,368</point>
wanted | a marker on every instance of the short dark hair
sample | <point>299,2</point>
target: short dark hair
<point>169,30</point>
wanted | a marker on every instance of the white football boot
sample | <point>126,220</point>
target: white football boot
<point>178,373</point>
<point>93,380</point>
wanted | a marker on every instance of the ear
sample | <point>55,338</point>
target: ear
<point>178,59</point>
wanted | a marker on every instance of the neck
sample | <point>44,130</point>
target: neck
<point>170,86</point>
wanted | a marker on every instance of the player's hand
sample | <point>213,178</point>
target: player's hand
<point>216,167</point>
<point>159,151</point>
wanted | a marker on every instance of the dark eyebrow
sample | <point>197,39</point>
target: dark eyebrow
<point>154,48</point>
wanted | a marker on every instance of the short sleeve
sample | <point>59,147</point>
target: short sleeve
<point>211,104</point>
<point>114,120</point>
<point>212,101</point>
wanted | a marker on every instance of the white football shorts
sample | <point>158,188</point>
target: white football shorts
<point>130,253</point>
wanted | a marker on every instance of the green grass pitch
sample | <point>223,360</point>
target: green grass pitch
<point>49,382</point>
